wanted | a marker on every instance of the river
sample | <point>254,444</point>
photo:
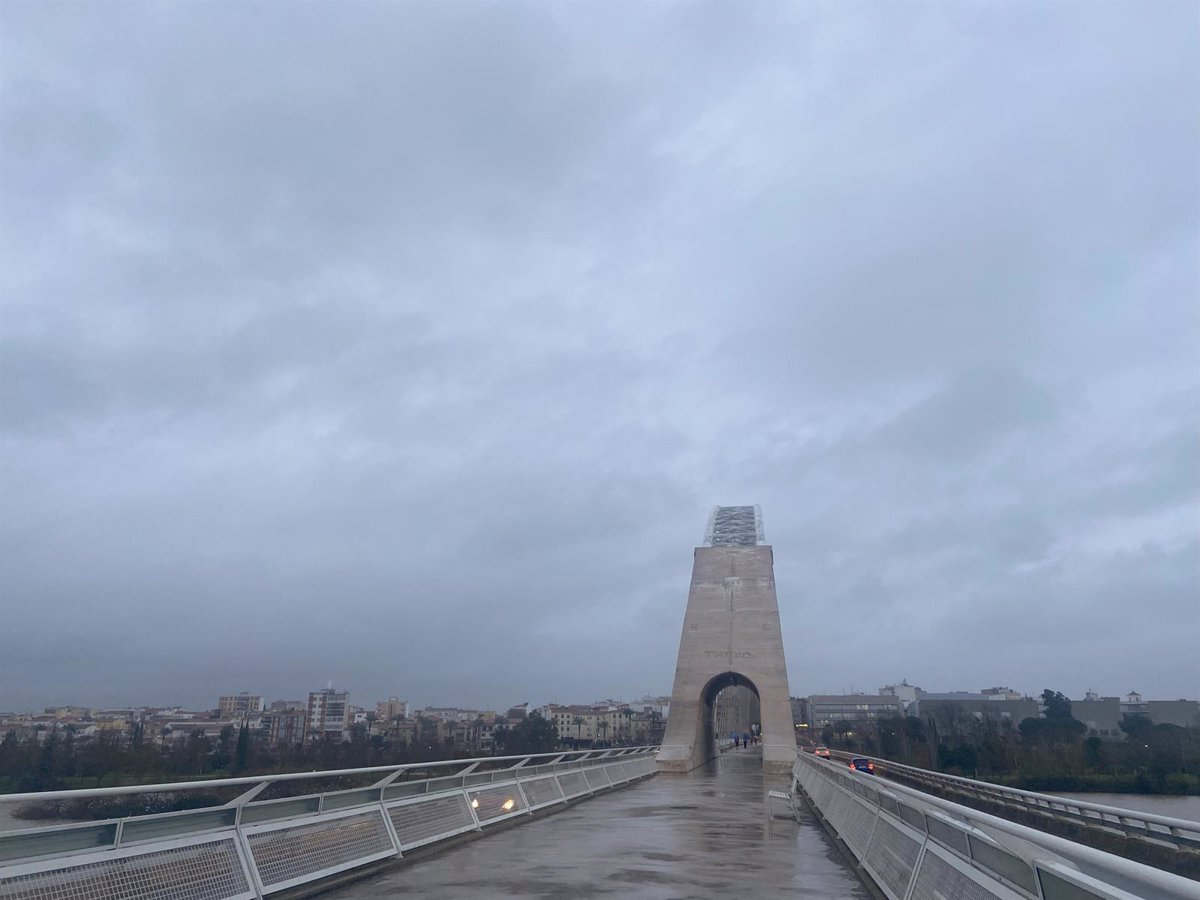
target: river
<point>1160,804</point>
<point>9,822</point>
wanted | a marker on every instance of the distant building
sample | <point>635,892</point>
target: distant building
<point>1133,704</point>
<point>1001,693</point>
<point>288,704</point>
<point>956,712</point>
<point>955,696</point>
<point>1101,715</point>
<point>799,711</point>
<point>1184,713</point>
<point>829,709</point>
<point>449,713</point>
<point>234,706</point>
<point>651,704</point>
<point>578,724</point>
<point>906,693</point>
<point>328,713</point>
<point>391,709</point>
<point>68,712</point>
<point>285,726</point>
<point>403,730</point>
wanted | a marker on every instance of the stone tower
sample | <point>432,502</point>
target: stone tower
<point>730,637</point>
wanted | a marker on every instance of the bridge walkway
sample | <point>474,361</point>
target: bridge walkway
<point>708,834</point>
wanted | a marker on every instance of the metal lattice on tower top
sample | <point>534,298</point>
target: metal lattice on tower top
<point>730,526</point>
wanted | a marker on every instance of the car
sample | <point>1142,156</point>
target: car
<point>862,764</point>
<point>822,752</point>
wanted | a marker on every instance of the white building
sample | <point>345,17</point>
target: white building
<point>328,712</point>
<point>905,692</point>
<point>233,706</point>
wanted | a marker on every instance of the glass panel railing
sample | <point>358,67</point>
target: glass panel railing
<point>279,809</point>
<point>147,829</point>
<point>48,842</point>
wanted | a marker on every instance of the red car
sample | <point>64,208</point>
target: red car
<point>822,752</point>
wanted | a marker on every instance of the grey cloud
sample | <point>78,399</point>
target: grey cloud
<point>968,415</point>
<point>410,347</point>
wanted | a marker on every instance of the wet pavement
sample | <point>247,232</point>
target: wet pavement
<point>703,835</point>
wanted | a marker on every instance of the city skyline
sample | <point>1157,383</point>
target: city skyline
<point>366,700</point>
<point>418,356</point>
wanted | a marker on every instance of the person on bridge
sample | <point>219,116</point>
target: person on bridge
<point>746,740</point>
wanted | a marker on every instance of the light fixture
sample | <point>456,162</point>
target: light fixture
<point>508,804</point>
<point>474,803</point>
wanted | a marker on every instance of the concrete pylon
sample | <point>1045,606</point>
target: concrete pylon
<point>730,637</point>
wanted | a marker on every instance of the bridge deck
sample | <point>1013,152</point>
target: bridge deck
<point>702,835</point>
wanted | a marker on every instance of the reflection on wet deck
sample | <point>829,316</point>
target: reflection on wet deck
<point>708,834</point>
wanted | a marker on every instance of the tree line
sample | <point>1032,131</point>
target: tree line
<point>1050,753</point>
<point>63,760</point>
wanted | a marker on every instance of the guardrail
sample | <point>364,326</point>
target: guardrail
<point>916,846</point>
<point>1177,833</point>
<point>250,847</point>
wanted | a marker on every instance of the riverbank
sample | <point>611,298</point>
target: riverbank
<point>1176,784</point>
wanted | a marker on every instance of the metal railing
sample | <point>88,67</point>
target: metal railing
<point>249,846</point>
<point>915,845</point>
<point>1174,832</point>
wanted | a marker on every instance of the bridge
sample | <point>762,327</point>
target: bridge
<point>688,818</point>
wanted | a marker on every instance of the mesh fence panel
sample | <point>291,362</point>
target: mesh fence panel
<point>948,835</point>
<point>495,803</point>
<point>427,820</point>
<point>824,793</point>
<point>307,851</point>
<point>891,857</point>
<point>938,879</point>
<point>204,871</point>
<point>857,824</point>
<point>615,774</point>
<point>573,783</point>
<point>596,778</point>
<point>542,791</point>
<point>835,808</point>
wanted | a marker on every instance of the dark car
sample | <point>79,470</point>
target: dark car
<point>862,764</point>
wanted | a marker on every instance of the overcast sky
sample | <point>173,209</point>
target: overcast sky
<point>409,345</point>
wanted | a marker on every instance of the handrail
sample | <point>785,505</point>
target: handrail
<point>1042,801</point>
<point>248,848</point>
<point>80,793</point>
<point>1112,869</point>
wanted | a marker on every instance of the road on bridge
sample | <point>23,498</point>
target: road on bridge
<point>703,835</point>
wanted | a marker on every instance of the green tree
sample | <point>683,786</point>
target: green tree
<point>243,748</point>
<point>533,734</point>
<point>1052,731</point>
<point>1135,725</point>
<point>1093,752</point>
<point>1057,705</point>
